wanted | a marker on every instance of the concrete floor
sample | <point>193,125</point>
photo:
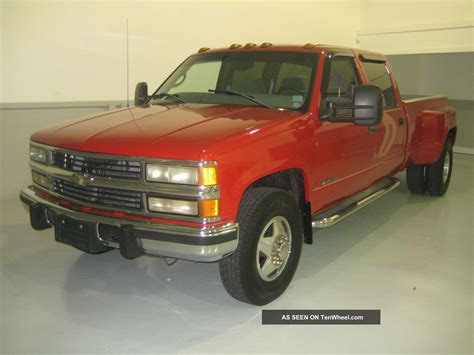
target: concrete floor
<point>410,256</point>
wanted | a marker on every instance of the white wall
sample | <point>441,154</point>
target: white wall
<point>417,26</point>
<point>57,51</point>
<point>76,51</point>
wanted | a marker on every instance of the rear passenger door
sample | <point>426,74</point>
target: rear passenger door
<point>391,134</point>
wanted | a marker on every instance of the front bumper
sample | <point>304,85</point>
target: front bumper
<point>138,237</point>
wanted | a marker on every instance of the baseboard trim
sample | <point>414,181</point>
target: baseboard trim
<point>463,150</point>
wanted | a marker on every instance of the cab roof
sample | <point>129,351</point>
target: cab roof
<point>308,47</point>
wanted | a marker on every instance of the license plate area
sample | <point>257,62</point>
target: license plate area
<point>79,234</point>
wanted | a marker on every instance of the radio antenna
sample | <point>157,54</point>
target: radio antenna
<point>128,76</point>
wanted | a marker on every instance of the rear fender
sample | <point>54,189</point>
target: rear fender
<point>431,132</point>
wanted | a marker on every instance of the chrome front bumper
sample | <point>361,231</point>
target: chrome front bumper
<point>204,244</point>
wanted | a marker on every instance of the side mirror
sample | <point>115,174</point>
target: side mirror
<point>365,110</point>
<point>141,94</point>
<point>367,105</point>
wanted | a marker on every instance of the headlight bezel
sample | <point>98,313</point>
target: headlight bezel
<point>170,174</point>
<point>201,174</point>
<point>41,179</point>
<point>39,154</point>
<point>193,206</point>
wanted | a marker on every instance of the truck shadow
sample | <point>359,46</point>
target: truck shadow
<point>109,273</point>
<point>330,243</point>
<point>154,281</point>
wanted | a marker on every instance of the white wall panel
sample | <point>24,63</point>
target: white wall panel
<point>416,26</point>
<point>76,51</point>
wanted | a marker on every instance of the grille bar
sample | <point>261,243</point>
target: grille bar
<point>114,168</point>
<point>99,195</point>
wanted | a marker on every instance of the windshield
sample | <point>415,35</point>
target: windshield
<point>274,79</point>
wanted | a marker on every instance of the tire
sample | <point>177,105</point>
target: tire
<point>416,179</point>
<point>242,273</point>
<point>438,175</point>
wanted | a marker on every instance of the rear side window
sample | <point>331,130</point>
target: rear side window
<point>377,74</point>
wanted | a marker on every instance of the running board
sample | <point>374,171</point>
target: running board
<point>354,203</point>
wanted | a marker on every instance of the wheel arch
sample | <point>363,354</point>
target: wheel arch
<point>296,183</point>
<point>452,134</point>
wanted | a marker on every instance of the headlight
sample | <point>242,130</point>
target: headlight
<point>172,174</point>
<point>41,180</point>
<point>173,206</point>
<point>38,154</point>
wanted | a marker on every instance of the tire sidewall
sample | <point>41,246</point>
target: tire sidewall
<point>276,204</point>
<point>448,150</point>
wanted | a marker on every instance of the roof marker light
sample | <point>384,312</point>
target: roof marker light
<point>250,45</point>
<point>266,44</point>
<point>235,45</point>
<point>309,46</point>
<point>203,49</point>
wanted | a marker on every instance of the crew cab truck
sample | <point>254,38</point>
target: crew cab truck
<point>238,157</point>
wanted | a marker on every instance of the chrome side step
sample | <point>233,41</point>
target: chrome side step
<point>354,203</point>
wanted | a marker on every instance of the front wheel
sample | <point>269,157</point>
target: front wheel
<point>270,242</point>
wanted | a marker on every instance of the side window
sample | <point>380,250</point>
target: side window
<point>377,74</point>
<point>199,78</point>
<point>342,79</point>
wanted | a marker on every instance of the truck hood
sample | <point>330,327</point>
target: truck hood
<point>175,131</point>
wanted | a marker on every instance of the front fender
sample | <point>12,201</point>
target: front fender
<point>245,159</point>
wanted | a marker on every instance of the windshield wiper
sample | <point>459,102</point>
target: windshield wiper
<point>168,96</point>
<point>236,93</point>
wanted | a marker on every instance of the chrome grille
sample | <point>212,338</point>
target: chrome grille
<point>99,195</point>
<point>113,168</point>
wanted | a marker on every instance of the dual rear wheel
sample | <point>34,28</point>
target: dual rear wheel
<point>433,179</point>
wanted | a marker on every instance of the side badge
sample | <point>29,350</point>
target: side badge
<point>328,181</point>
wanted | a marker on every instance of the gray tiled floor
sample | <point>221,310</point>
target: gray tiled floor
<point>410,256</point>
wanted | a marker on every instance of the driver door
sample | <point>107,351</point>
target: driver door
<point>345,151</point>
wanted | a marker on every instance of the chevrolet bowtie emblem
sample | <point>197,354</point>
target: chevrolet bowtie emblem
<point>82,179</point>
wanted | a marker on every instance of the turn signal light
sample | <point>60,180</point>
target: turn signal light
<point>209,208</point>
<point>209,175</point>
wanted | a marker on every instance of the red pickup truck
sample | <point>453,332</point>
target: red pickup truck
<point>238,157</point>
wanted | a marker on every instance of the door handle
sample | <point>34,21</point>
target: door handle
<point>372,130</point>
<point>401,121</point>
